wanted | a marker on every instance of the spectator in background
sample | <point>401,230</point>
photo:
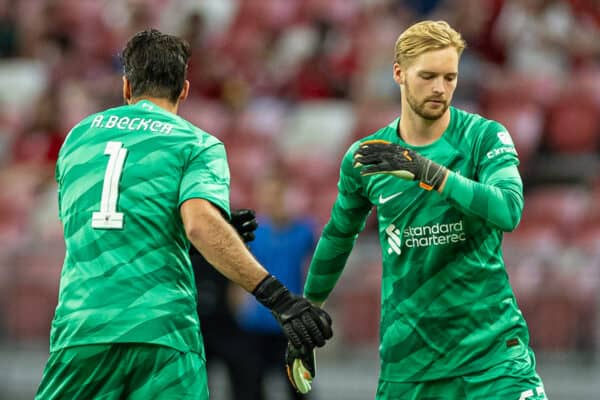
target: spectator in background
<point>538,37</point>
<point>8,29</point>
<point>45,60</point>
<point>283,244</point>
<point>41,138</point>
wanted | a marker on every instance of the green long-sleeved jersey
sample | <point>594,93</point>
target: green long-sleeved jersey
<point>447,307</point>
<point>122,175</point>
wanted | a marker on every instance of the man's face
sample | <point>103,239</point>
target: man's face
<point>272,198</point>
<point>429,81</point>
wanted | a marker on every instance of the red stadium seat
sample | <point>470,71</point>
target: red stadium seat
<point>33,293</point>
<point>532,239</point>
<point>573,126</point>
<point>372,117</point>
<point>210,116</point>
<point>360,294</point>
<point>566,206</point>
<point>524,121</point>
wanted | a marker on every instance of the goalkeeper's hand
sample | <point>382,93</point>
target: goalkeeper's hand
<point>244,222</point>
<point>383,157</point>
<point>301,368</point>
<point>305,326</point>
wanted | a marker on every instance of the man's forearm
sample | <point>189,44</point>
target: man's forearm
<point>304,325</point>
<point>222,247</point>
<point>348,217</point>
<point>499,200</point>
<point>327,265</point>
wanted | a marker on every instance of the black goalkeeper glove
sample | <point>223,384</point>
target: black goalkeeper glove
<point>301,368</point>
<point>244,222</point>
<point>304,325</point>
<point>383,157</point>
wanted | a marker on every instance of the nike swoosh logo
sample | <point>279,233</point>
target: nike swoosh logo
<point>383,200</point>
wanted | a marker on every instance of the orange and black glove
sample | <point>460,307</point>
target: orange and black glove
<point>383,157</point>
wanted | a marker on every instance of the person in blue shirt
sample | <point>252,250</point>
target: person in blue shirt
<point>283,244</point>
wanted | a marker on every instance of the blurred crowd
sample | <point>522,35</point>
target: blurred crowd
<point>288,85</point>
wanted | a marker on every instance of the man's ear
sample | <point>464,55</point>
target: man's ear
<point>126,90</point>
<point>185,91</point>
<point>399,74</point>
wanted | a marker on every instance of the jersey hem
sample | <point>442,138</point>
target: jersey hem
<point>183,349</point>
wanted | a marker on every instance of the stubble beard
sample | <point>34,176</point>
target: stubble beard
<point>420,108</point>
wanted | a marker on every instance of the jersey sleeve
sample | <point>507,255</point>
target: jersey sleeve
<point>57,177</point>
<point>58,172</point>
<point>348,217</point>
<point>206,176</point>
<point>496,193</point>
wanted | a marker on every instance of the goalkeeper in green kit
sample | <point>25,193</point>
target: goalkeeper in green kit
<point>136,186</point>
<point>446,186</point>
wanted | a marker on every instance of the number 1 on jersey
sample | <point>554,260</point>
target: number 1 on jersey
<point>108,217</point>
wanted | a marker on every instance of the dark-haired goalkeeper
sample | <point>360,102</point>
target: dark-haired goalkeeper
<point>136,185</point>
<point>446,186</point>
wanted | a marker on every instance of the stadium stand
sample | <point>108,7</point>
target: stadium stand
<point>290,84</point>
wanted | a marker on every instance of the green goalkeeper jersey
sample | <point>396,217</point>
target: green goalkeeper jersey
<point>122,175</point>
<point>447,308</point>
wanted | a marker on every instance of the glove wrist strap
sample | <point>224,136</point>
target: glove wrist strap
<point>270,292</point>
<point>432,176</point>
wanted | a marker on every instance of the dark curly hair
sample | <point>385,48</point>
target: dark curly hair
<point>155,64</point>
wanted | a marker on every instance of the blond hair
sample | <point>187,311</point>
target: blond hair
<point>426,36</point>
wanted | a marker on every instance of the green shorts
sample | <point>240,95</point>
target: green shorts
<point>133,371</point>
<point>512,380</point>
